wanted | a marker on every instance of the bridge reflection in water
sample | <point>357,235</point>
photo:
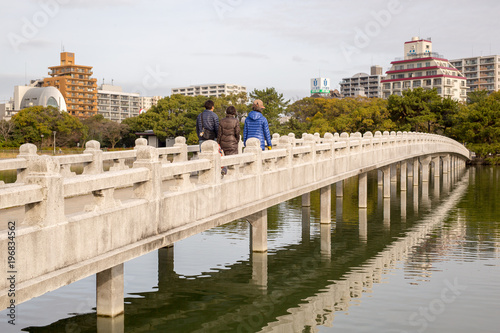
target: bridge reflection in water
<point>296,287</point>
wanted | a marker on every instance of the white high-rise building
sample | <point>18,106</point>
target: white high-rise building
<point>363,84</point>
<point>210,90</point>
<point>423,68</point>
<point>146,102</point>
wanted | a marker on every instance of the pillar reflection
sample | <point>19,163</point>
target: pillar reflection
<point>363,225</point>
<point>415,199</point>
<point>387,212</point>
<point>259,270</point>
<point>306,224</point>
<point>111,325</point>
<point>326,241</point>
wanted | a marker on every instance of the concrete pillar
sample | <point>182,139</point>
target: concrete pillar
<point>259,270</point>
<point>416,171</point>
<point>446,164</point>
<point>437,166</point>
<point>394,173</point>
<point>306,200</point>
<point>326,240</point>
<point>387,181</point>
<point>326,204</point>
<point>404,176</point>
<point>425,161</point>
<point>258,234</point>
<point>363,225</point>
<point>380,178</point>
<point>339,188</point>
<point>109,292</point>
<point>363,190</point>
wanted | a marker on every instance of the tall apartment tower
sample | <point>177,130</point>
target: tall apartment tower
<point>362,84</point>
<point>75,84</point>
<point>482,73</point>
<point>423,68</point>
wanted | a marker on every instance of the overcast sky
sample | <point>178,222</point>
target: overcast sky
<point>151,46</point>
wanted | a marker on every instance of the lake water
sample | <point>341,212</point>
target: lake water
<point>424,261</point>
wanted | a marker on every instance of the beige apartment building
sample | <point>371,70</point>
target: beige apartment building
<point>421,67</point>
<point>116,105</point>
<point>482,73</point>
<point>363,84</point>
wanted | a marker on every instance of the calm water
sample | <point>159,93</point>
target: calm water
<point>425,262</point>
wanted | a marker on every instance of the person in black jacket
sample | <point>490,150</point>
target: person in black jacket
<point>207,124</point>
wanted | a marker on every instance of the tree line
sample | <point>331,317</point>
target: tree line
<point>475,123</point>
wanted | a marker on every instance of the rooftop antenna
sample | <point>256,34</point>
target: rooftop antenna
<point>112,81</point>
<point>62,47</point>
<point>102,80</point>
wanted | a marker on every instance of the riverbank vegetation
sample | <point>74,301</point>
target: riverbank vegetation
<point>475,123</point>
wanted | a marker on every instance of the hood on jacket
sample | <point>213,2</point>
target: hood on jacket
<point>254,115</point>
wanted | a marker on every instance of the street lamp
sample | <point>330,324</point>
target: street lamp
<point>54,142</point>
<point>41,143</point>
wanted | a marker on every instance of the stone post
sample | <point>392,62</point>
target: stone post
<point>258,234</point>
<point>147,157</point>
<point>44,171</point>
<point>210,151</point>
<point>95,167</point>
<point>326,204</point>
<point>109,292</point>
<point>253,146</point>
<point>362,190</point>
<point>180,142</point>
<point>28,152</point>
<point>309,140</point>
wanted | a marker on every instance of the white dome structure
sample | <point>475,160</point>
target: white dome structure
<point>45,96</point>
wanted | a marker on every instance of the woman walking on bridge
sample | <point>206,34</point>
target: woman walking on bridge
<point>229,132</point>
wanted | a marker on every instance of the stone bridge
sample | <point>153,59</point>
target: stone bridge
<point>60,227</point>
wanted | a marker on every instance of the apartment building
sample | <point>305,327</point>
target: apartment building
<point>146,102</point>
<point>421,67</point>
<point>482,73</point>
<point>363,84</point>
<point>75,84</point>
<point>210,90</point>
<point>116,105</point>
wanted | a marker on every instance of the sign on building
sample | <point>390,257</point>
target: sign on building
<point>320,85</point>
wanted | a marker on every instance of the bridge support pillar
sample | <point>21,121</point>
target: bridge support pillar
<point>339,188</point>
<point>258,235</point>
<point>109,292</point>
<point>165,266</point>
<point>362,190</point>
<point>425,168</point>
<point>306,200</point>
<point>394,173</point>
<point>387,181</point>
<point>404,175</point>
<point>306,223</point>
<point>326,204</point>
<point>380,178</point>
<point>437,166</point>
<point>446,164</point>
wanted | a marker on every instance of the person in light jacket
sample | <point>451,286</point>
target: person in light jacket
<point>256,126</point>
<point>229,132</point>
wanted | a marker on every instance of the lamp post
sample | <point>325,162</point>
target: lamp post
<point>54,142</point>
<point>41,143</point>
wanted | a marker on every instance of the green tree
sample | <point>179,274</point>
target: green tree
<point>415,109</point>
<point>32,122</point>
<point>275,106</point>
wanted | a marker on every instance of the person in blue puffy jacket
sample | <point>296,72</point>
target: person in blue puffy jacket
<point>256,126</point>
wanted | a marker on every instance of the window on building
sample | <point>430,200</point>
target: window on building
<point>419,65</point>
<point>427,64</point>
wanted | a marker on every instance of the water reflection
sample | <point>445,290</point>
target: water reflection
<point>304,282</point>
